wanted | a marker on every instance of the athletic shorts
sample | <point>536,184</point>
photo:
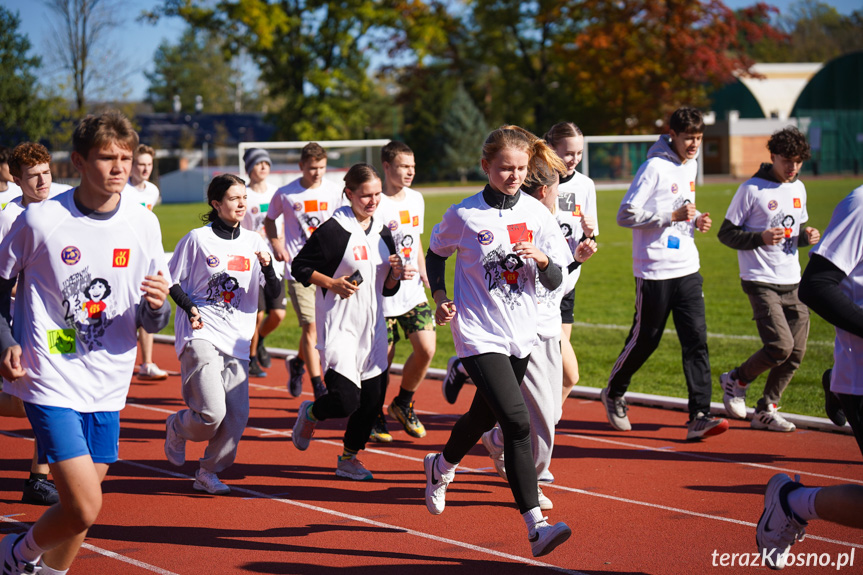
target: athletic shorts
<point>567,307</point>
<point>303,301</point>
<point>63,433</point>
<point>419,318</point>
<point>267,304</point>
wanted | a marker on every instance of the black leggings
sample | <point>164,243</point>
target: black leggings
<point>360,404</point>
<point>852,405</point>
<point>498,400</point>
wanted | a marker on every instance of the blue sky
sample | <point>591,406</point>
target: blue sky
<point>137,42</point>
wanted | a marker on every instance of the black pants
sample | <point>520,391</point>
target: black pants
<point>359,404</point>
<point>654,301</point>
<point>852,405</point>
<point>498,399</point>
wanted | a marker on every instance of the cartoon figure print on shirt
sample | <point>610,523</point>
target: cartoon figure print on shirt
<point>504,272</point>
<point>88,308</point>
<point>223,294</point>
<point>789,246</point>
<point>684,227</point>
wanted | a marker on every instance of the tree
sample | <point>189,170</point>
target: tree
<point>24,114</point>
<point>463,130</point>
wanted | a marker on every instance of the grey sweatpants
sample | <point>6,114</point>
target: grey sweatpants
<point>216,389</point>
<point>542,390</point>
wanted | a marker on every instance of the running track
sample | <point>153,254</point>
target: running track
<point>639,502</point>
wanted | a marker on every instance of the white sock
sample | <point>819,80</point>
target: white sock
<point>27,550</point>
<point>46,570</point>
<point>531,518</point>
<point>802,502</point>
<point>445,468</point>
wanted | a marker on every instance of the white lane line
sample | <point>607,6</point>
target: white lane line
<point>674,332</point>
<point>106,553</point>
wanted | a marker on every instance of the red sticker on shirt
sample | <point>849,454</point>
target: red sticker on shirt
<point>416,221</point>
<point>797,203</point>
<point>360,253</point>
<point>577,211</point>
<point>519,233</point>
<point>121,258</point>
<point>310,206</point>
<point>323,206</point>
<point>238,264</point>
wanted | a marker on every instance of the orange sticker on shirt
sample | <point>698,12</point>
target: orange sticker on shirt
<point>519,233</point>
<point>239,264</point>
<point>416,221</point>
<point>310,206</point>
<point>797,203</point>
<point>360,253</point>
<point>404,217</point>
<point>691,186</point>
<point>577,211</point>
<point>121,258</point>
<point>323,206</point>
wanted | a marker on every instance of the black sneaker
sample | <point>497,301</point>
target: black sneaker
<point>39,492</point>
<point>832,405</point>
<point>295,375</point>
<point>319,389</point>
<point>255,368</point>
<point>263,355</point>
<point>453,381</point>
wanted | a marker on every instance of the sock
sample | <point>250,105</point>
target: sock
<point>802,502</point>
<point>27,550</point>
<point>445,468</point>
<point>37,477</point>
<point>404,398</point>
<point>311,414</point>
<point>349,453</point>
<point>260,341</point>
<point>316,381</point>
<point>531,518</point>
<point>46,570</point>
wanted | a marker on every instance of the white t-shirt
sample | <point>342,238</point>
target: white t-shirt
<point>494,290</point>
<point>77,299</point>
<point>148,197</point>
<point>257,204</point>
<point>13,191</point>
<point>842,245</point>
<point>57,189</point>
<point>9,214</point>
<point>406,220</point>
<point>304,210</point>
<point>576,197</point>
<point>761,204</point>
<point>222,278</point>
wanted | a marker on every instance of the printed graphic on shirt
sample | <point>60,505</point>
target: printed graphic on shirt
<point>505,276</point>
<point>87,310</point>
<point>786,222</point>
<point>223,294</point>
<point>566,203</point>
<point>685,227</point>
<point>311,222</point>
<point>121,258</point>
<point>404,246</point>
<point>360,253</point>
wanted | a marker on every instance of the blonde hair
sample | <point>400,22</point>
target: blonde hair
<point>509,137</point>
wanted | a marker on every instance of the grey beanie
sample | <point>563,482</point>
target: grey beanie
<point>255,156</point>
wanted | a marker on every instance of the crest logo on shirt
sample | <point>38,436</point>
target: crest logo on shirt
<point>772,205</point>
<point>485,237</point>
<point>212,261</point>
<point>297,206</point>
<point>70,255</point>
<point>238,264</point>
<point>121,258</point>
<point>255,210</point>
<point>360,253</point>
<point>322,206</point>
<point>416,221</point>
<point>577,211</point>
<point>405,217</point>
<point>691,186</point>
<point>519,233</point>
<point>797,203</point>
<point>673,188</point>
<point>393,225</point>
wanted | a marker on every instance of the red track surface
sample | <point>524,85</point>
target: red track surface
<point>639,502</point>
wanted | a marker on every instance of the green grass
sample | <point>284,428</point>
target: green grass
<point>605,297</point>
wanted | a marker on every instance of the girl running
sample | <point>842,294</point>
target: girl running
<point>494,317</point>
<point>218,270</point>
<point>351,257</point>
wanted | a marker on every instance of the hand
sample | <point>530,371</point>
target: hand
<point>584,250</point>
<point>409,272</point>
<point>425,280</point>
<point>445,311</point>
<point>263,258</point>
<point>10,367</point>
<point>813,235</point>
<point>397,269</point>
<point>588,225</point>
<point>684,213</point>
<point>772,236</point>
<point>528,251</point>
<point>195,318</point>
<point>155,290</point>
<point>703,222</point>
<point>342,287</point>
<point>281,254</point>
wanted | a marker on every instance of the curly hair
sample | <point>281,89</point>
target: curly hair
<point>27,154</point>
<point>789,143</point>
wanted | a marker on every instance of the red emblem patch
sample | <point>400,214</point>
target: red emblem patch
<point>121,258</point>
<point>360,253</point>
<point>797,203</point>
<point>519,233</point>
<point>239,264</point>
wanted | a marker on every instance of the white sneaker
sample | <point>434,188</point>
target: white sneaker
<point>175,446</point>
<point>209,482</point>
<point>770,420</point>
<point>546,537</point>
<point>545,503</point>
<point>304,428</point>
<point>151,372</point>
<point>778,529</point>
<point>615,411</point>
<point>494,453</point>
<point>8,564</point>
<point>733,395</point>
<point>353,468</point>
<point>435,484</point>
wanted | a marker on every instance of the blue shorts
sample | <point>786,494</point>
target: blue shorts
<point>63,433</point>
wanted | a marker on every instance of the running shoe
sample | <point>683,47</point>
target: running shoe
<point>615,411</point>
<point>380,433</point>
<point>304,428</point>
<point>175,446</point>
<point>255,368</point>
<point>832,405</point>
<point>39,492</point>
<point>769,419</point>
<point>8,563</point>
<point>545,503</point>
<point>353,468</point>
<point>733,395</point>
<point>779,528</point>
<point>436,484</point>
<point>454,380</point>
<point>295,374</point>
<point>209,482</point>
<point>494,452</point>
<point>151,372</point>
<point>705,425</point>
<point>264,357</point>
<point>408,418</point>
<point>545,538</point>
<point>319,389</point>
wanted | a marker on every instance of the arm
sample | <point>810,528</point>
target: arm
<point>273,235</point>
<point>819,289</point>
<point>183,301</point>
<point>153,314</point>
<point>272,282</point>
<point>809,237</point>
<point>396,273</point>
<point>10,351</point>
<point>436,267</point>
<point>421,264</point>
<point>736,238</point>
